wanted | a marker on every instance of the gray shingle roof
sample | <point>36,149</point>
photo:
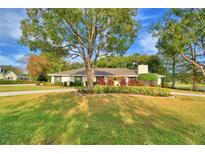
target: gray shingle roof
<point>98,72</point>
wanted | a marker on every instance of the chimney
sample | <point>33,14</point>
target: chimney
<point>142,69</point>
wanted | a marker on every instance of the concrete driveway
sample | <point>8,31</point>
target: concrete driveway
<point>188,94</point>
<point>36,92</point>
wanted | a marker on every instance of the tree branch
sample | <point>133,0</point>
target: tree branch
<point>194,63</point>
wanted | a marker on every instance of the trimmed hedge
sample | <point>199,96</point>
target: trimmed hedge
<point>150,91</point>
<point>148,77</point>
<point>76,83</point>
<point>17,82</point>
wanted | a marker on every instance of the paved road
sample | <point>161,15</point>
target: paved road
<point>36,92</point>
<point>188,94</point>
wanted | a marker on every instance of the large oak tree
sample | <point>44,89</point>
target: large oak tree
<point>85,33</point>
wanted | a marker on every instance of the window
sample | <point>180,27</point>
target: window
<point>78,78</point>
<point>132,78</point>
<point>57,79</point>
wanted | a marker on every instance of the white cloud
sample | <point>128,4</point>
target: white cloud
<point>10,24</point>
<point>19,56</point>
<point>4,60</point>
<point>148,43</point>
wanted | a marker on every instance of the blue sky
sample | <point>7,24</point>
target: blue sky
<point>11,51</point>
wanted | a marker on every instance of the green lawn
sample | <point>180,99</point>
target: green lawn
<point>26,88</point>
<point>68,118</point>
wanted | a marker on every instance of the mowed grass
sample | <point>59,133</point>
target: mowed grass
<point>68,118</point>
<point>26,88</point>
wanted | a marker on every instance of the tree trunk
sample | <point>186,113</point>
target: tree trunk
<point>89,73</point>
<point>194,83</point>
<point>173,71</point>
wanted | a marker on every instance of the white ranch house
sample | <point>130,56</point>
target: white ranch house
<point>79,75</point>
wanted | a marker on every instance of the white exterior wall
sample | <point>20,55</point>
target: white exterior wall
<point>65,79</point>
<point>84,79</point>
<point>52,79</point>
<point>127,80</point>
<point>116,83</point>
<point>159,80</point>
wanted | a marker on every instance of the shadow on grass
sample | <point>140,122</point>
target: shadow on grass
<point>71,119</point>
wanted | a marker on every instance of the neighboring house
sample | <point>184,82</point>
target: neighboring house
<point>24,77</point>
<point>79,75</point>
<point>1,76</point>
<point>10,75</point>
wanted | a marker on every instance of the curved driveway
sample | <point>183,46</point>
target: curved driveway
<point>188,94</point>
<point>14,93</point>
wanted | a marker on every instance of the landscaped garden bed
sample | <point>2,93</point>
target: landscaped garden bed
<point>141,90</point>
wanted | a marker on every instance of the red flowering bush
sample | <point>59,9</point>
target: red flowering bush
<point>110,82</point>
<point>135,83</point>
<point>123,82</point>
<point>101,81</point>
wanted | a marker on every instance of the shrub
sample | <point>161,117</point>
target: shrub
<point>17,82</point>
<point>150,91</point>
<point>76,83</point>
<point>58,83</point>
<point>135,83</point>
<point>110,82</point>
<point>123,82</point>
<point>101,81</point>
<point>148,77</point>
<point>47,84</point>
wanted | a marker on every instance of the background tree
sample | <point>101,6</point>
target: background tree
<point>132,61</point>
<point>181,33</point>
<point>167,47</point>
<point>15,69</point>
<point>85,33</point>
<point>38,67</point>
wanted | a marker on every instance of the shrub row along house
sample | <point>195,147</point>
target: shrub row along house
<point>116,75</point>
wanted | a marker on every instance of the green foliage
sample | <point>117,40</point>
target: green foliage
<point>156,65</point>
<point>142,90</point>
<point>148,77</point>
<point>76,83</point>
<point>84,33</point>
<point>58,83</point>
<point>48,30</point>
<point>15,69</point>
<point>16,82</point>
<point>182,32</point>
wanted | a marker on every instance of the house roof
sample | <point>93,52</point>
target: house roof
<point>98,72</point>
<point>9,72</point>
